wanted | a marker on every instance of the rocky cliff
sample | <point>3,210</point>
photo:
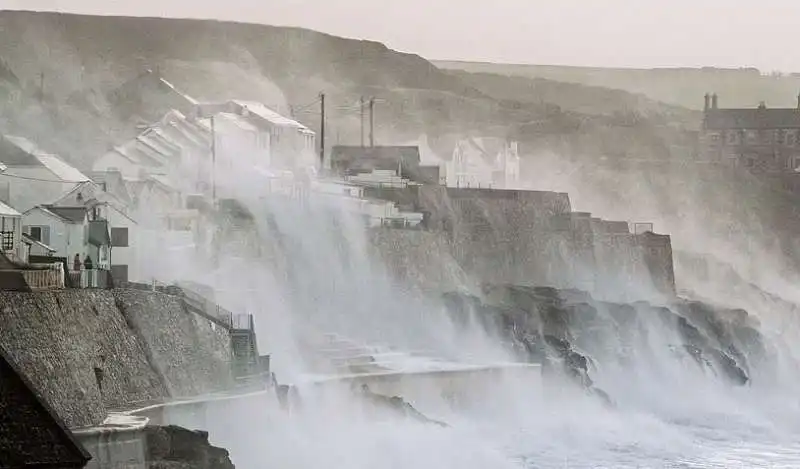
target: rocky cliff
<point>92,351</point>
<point>574,334</point>
<point>173,447</point>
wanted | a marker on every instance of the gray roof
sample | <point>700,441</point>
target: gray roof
<point>379,157</point>
<point>13,155</point>
<point>758,118</point>
<point>69,214</point>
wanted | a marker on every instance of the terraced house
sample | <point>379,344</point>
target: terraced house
<point>761,139</point>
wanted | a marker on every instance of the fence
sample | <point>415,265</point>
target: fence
<point>209,308</point>
<point>91,278</point>
<point>48,277</point>
<point>192,300</point>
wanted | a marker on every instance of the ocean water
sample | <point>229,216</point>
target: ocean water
<point>668,413</point>
<point>736,430</point>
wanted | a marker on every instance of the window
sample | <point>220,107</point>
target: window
<point>39,233</point>
<point>119,237</point>
<point>8,240</point>
<point>780,137</point>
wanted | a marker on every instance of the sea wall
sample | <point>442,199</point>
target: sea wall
<point>89,352</point>
<point>422,258</point>
<point>528,238</point>
<point>191,352</point>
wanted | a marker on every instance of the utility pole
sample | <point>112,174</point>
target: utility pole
<point>322,132</point>
<point>361,110</point>
<point>41,87</point>
<point>372,121</point>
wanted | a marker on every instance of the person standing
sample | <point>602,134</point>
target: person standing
<point>88,266</point>
<point>76,263</point>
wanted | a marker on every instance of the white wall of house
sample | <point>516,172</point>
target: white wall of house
<point>238,150</point>
<point>67,239</point>
<point>122,255</point>
<point>467,168</point>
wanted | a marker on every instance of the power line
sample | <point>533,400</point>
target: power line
<point>43,180</point>
<point>305,106</point>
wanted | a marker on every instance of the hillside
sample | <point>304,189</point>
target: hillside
<point>60,70</point>
<point>678,86</point>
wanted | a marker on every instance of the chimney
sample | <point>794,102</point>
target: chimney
<point>708,102</point>
<point>714,101</point>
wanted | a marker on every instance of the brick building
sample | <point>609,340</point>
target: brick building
<point>761,139</point>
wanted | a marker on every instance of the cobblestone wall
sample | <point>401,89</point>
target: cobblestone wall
<point>91,351</point>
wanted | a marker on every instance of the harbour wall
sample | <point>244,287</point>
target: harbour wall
<point>90,352</point>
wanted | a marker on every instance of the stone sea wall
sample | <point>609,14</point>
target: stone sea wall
<point>524,238</point>
<point>93,351</point>
<point>422,258</point>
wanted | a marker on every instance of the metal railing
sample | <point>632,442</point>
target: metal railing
<point>243,322</point>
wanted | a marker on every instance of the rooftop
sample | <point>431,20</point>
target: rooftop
<point>374,158</point>
<point>269,115</point>
<point>755,118</point>
<point>68,214</point>
<point>21,152</point>
<point>8,211</point>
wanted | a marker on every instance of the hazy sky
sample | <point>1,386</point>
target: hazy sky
<point>761,33</point>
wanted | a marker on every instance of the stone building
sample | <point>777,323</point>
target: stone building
<point>761,139</point>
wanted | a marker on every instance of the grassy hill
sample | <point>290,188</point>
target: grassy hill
<point>61,69</point>
<point>683,87</point>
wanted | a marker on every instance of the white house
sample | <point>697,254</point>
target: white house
<point>122,228</point>
<point>11,233</point>
<point>172,146</point>
<point>31,176</point>
<point>484,162</point>
<point>291,145</point>
<point>70,231</point>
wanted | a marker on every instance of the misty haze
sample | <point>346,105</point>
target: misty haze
<point>329,236</point>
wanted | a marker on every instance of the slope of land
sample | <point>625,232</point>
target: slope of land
<point>60,69</point>
<point>679,86</point>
